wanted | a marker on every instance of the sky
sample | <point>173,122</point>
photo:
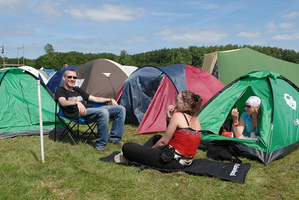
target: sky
<point>110,26</point>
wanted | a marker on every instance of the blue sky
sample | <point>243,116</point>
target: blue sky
<point>96,26</point>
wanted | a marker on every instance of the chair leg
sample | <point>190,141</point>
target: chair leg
<point>91,129</point>
<point>73,130</point>
<point>67,131</point>
<point>78,131</point>
<point>55,131</point>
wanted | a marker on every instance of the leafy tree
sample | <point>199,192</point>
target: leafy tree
<point>192,55</point>
<point>122,56</point>
<point>290,55</point>
<point>48,48</point>
<point>30,62</point>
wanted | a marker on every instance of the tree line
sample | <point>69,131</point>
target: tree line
<point>193,55</point>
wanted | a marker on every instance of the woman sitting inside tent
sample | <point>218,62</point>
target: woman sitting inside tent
<point>177,147</point>
<point>247,127</point>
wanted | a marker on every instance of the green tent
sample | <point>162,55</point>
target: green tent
<point>19,111</point>
<point>278,122</point>
<point>229,65</point>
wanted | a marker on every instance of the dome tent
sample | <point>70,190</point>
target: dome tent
<point>278,123</point>
<point>103,77</point>
<point>229,65</point>
<point>36,73</point>
<point>149,90</point>
<point>19,104</point>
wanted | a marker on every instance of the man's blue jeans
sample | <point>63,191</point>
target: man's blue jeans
<point>101,116</point>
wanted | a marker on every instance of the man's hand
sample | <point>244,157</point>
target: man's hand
<point>81,108</point>
<point>113,102</point>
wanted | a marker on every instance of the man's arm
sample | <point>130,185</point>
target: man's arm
<point>81,107</point>
<point>101,100</point>
<point>64,102</point>
<point>60,95</point>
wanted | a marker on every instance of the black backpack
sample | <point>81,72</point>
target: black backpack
<point>223,150</point>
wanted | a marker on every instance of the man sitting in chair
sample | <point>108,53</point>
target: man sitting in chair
<point>68,95</point>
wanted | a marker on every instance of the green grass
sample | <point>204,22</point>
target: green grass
<point>75,172</point>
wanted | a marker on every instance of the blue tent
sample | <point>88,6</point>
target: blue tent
<point>56,79</point>
<point>149,90</point>
<point>49,72</point>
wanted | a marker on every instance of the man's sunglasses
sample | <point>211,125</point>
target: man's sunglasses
<point>69,77</point>
<point>248,106</point>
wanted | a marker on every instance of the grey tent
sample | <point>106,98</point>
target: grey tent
<point>103,77</point>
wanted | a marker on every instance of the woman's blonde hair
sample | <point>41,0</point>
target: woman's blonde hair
<point>257,109</point>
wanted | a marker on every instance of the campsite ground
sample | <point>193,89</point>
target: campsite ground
<point>75,172</point>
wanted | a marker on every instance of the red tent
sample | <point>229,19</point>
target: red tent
<point>149,90</point>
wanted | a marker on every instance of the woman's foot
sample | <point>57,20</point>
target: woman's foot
<point>120,159</point>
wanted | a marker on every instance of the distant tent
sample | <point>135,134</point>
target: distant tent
<point>43,73</point>
<point>149,90</point>
<point>278,123</point>
<point>103,77</point>
<point>229,65</point>
<point>49,72</point>
<point>128,69</point>
<point>36,73</point>
<point>56,80</point>
<point>19,104</point>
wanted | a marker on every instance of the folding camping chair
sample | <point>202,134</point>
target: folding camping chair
<point>70,124</point>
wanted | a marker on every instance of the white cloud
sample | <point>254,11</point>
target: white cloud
<point>293,36</point>
<point>106,13</point>
<point>14,33</point>
<point>249,34</point>
<point>78,40</point>
<point>287,25</point>
<point>192,36</point>
<point>258,42</point>
<point>49,7</point>
<point>271,27</point>
<point>238,26</point>
<point>13,6</point>
<point>20,30</point>
<point>136,40</point>
<point>9,3</point>
<point>169,14</point>
<point>204,5</point>
<point>291,15</point>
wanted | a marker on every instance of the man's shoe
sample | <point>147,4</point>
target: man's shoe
<point>120,159</point>
<point>100,148</point>
<point>116,142</point>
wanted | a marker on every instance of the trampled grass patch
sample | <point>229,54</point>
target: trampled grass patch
<point>75,172</point>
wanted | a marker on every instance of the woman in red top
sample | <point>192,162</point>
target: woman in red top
<point>183,133</point>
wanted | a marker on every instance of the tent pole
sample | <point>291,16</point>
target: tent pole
<point>26,102</point>
<point>40,121</point>
<point>107,75</point>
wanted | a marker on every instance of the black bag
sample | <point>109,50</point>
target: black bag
<point>226,126</point>
<point>167,154</point>
<point>222,150</point>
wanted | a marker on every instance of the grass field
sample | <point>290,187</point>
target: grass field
<point>75,172</point>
